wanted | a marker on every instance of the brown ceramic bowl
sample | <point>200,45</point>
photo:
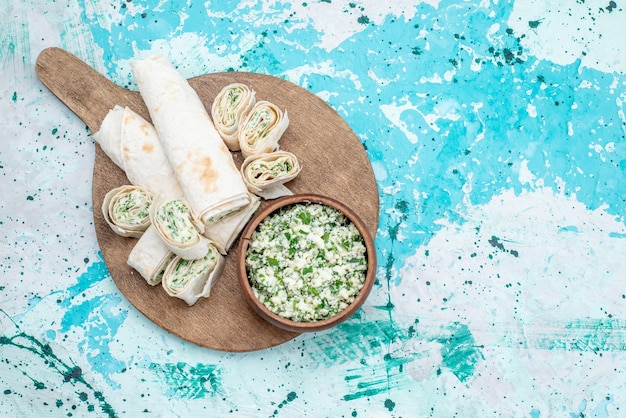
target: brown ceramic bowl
<point>289,324</point>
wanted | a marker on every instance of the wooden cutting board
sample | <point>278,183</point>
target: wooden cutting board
<point>334,164</point>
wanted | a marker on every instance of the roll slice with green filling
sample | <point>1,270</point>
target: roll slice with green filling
<point>190,280</point>
<point>127,210</point>
<point>230,107</point>
<point>262,129</point>
<point>266,174</point>
<point>179,228</point>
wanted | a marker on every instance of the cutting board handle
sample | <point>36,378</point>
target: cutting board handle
<point>89,94</point>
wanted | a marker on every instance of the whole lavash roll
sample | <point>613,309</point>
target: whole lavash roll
<point>224,232</point>
<point>132,143</point>
<point>199,157</point>
<point>150,256</point>
<point>109,135</point>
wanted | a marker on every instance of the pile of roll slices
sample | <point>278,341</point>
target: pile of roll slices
<point>187,202</point>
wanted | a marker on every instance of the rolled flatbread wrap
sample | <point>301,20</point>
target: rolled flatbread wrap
<point>180,230</point>
<point>150,256</point>
<point>266,174</point>
<point>109,136</point>
<point>190,280</point>
<point>224,232</point>
<point>132,143</point>
<point>127,210</point>
<point>230,107</point>
<point>262,129</point>
<point>202,163</point>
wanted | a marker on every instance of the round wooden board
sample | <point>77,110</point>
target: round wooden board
<point>334,164</point>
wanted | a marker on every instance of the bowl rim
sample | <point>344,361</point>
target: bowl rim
<point>277,320</point>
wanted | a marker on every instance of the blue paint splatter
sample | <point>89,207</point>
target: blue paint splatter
<point>100,317</point>
<point>184,381</point>
<point>69,373</point>
<point>491,86</point>
<point>96,272</point>
<point>460,353</point>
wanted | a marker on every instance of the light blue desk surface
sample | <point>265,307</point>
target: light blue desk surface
<point>497,135</point>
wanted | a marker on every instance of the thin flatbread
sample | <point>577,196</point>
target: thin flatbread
<point>201,161</point>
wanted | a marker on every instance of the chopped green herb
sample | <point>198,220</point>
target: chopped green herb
<point>306,262</point>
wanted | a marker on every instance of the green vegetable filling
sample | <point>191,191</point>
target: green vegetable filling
<point>133,208</point>
<point>187,270</point>
<point>174,217</point>
<point>260,124</point>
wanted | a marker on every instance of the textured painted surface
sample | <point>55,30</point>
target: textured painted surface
<point>497,136</point>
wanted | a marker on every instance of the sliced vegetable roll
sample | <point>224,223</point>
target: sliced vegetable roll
<point>150,256</point>
<point>230,107</point>
<point>179,228</point>
<point>262,129</point>
<point>190,280</point>
<point>127,210</point>
<point>266,174</point>
<point>224,232</point>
